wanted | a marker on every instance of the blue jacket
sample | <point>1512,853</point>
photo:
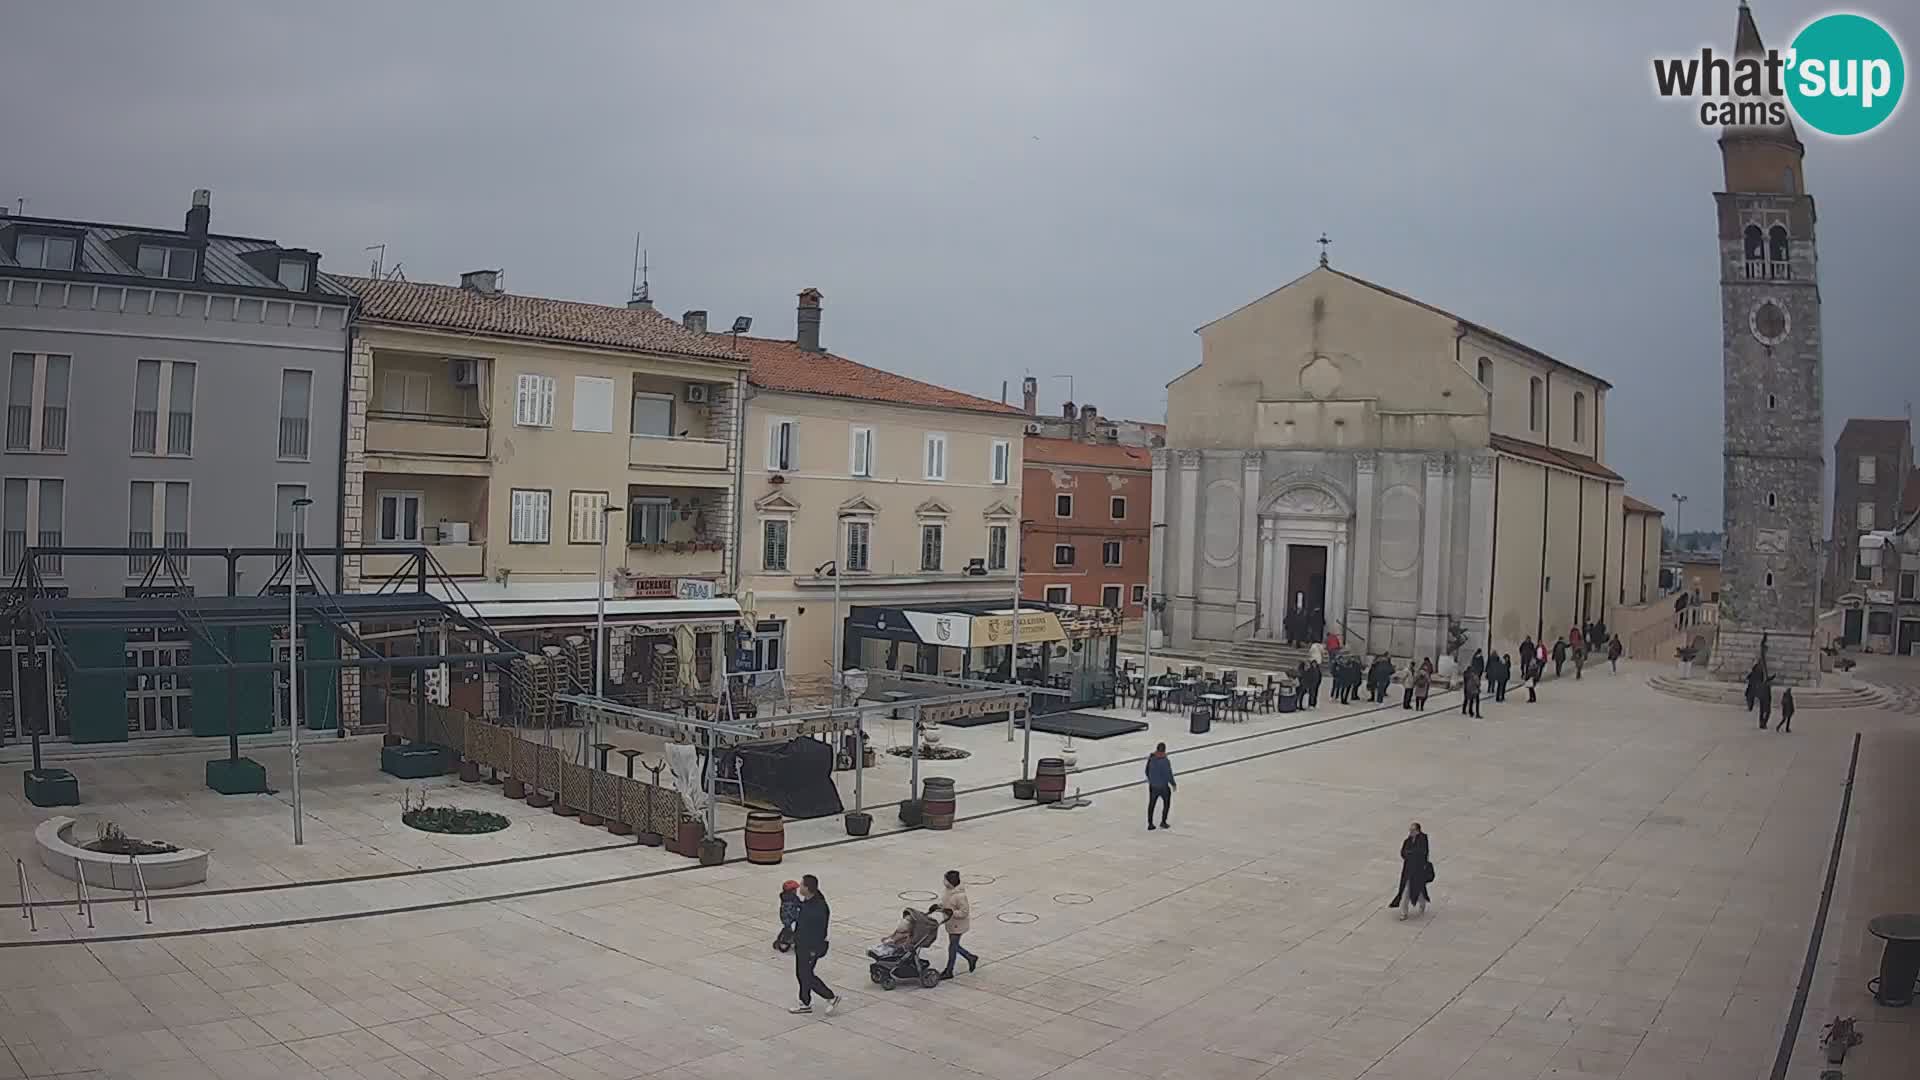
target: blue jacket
<point>1159,771</point>
<point>789,908</point>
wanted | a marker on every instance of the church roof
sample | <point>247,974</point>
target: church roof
<point>1746,42</point>
<point>1547,455</point>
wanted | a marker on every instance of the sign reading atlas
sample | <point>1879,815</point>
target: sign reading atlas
<point>1843,75</point>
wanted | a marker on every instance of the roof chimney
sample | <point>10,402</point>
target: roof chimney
<point>1030,394</point>
<point>200,213</point>
<point>695,320</point>
<point>807,323</point>
<point>1066,411</point>
<point>484,282</point>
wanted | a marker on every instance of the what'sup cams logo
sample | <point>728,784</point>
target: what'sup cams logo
<point>1843,75</point>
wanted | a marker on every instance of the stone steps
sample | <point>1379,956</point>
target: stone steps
<point>1714,692</point>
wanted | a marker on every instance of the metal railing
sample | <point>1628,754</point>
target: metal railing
<point>179,432</point>
<point>1767,270</point>
<point>53,427</point>
<point>51,565</point>
<point>80,891</point>
<point>19,427</point>
<point>293,437</point>
<point>26,900</point>
<point>142,899</point>
<point>137,538</point>
<point>13,548</point>
<point>145,423</point>
<point>283,539</point>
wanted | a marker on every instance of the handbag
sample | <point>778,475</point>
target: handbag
<point>1429,873</point>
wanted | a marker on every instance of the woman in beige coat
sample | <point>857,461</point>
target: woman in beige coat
<point>959,911</point>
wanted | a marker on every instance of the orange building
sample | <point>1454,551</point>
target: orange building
<point>1086,512</point>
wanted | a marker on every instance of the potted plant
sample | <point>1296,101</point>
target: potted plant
<point>1023,789</point>
<point>859,822</point>
<point>910,813</point>
<point>1838,1037</point>
<point>713,851</point>
<point>1067,756</point>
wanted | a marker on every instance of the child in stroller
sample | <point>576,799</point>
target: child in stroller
<point>898,959</point>
<point>789,915</point>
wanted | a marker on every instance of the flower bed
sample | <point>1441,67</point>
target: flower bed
<point>931,753</point>
<point>453,819</point>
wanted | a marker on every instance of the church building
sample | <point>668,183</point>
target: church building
<point>1346,449</point>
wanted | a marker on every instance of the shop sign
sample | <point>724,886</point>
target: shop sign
<point>695,589</point>
<point>1035,626</point>
<point>1879,596</point>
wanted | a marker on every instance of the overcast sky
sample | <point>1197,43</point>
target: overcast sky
<point>987,190</point>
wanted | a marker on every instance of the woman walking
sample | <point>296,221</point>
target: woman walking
<point>810,944</point>
<point>1613,654</point>
<point>1786,710</point>
<point>1416,870</point>
<point>1422,683</point>
<point>959,911</point>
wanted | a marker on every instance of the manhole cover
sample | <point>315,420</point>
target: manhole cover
<point>918,896</point>
<point>1019,918</point>
<point>1073,898</point>
<point>1666,819</point>
<point>979,879</point>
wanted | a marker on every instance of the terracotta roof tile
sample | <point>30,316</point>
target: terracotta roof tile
<point>1635,506</point>
<point>1579,463</point>
<point>1043,451</point>
<point>450,307</point>
<point>786,367</point>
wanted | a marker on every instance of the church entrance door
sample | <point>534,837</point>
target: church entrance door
<point>1307,577</point>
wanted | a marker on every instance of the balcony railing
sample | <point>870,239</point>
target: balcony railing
<point>1767,270</point>
<point>13,548</point>
<point>417,433</point>
<point>663,452</point>
<point>179,432</point>
<point>293,437</point>
<point>282,539</point>
<point>50,565</point>
<point>53,427</point>
<point>138,564</point>
<point>145,422</point>
<point>19,427</point>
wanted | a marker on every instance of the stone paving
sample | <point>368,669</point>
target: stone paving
<point>1626,885</point>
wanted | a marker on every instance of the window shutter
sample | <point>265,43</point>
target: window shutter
<point>593,403</point>
<point>546,401</point>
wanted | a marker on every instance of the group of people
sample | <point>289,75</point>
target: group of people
<point>1302,626</point>
<point>1760,693</point>
<point>805,919</point>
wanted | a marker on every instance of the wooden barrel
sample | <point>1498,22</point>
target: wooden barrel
<point>1050,780</point>
<point>936,802</point>
<point>766,837</point>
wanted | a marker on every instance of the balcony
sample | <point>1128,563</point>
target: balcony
<point>663,452</point>
<point>456,560</point>
<point>426,435</point>
<point>1767,270</point>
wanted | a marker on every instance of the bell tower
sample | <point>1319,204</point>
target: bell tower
<point>1774,479</point>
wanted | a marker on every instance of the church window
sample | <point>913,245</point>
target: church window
<point>1772,401</point>
<point>1779,248</point>
<point>1485,372</point>
<point>1771,502</point>
<point>1535,392</point>
<point>1756,244</point>
<point>1868,470</point>
<point>1769,579</point>
<point>1579,417</point>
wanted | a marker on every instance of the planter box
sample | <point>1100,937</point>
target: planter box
<point>58,853</point>
<point>237,776</point>
<point>413,762</point>
<point>51,787</point>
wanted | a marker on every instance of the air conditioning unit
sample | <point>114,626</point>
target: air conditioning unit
<point>696,393</point>
<point>976,567</point>
<point>465,372</point>
<point>1033,429</point>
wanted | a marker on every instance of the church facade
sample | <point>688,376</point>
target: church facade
<point>1346,449</point>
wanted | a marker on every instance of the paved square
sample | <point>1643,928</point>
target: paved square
<point>1626,885</point>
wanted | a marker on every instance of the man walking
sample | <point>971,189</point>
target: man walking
<point>1470,693</point>
<point>1559,656</point>
<point>1766,701</point>
<point>1160,785</point>
<point>1613,654</point>
<point>1529,655</point>
<point>1786,710</point>
<point>810,944</point>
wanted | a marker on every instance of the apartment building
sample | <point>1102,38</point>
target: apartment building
<point>504,432</point>
<point>911,488</point>
<point>1088,507</point>
<point>166,387</point>
<point>1872,459</point>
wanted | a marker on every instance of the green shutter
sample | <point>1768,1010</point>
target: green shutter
<point>97,704</point>
<point>320,687</point>
<point>249,693</point>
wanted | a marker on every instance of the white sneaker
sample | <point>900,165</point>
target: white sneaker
<point>1403,914</point>
<point>799,1009</point>
<point>832,1004</point>
<point>1423,907</point>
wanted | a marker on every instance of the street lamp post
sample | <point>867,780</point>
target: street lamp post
<point>293,664</point>
<point>600,617</point>
<point>832,568</point>
<point>1146,663</point>
<point>1679,504</point>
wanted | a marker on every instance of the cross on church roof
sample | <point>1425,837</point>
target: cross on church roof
<point>1323,242</point>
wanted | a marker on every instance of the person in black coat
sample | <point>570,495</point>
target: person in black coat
<point>1753,686</point>
<point>1786,710</point>
<point>1559,656</point>
<point>1529,655</point>
<point>1416,870</point>
<point>1506,676</point>
<point>1766,700</point>
<point>810,944</point>
<point>1381,675</point>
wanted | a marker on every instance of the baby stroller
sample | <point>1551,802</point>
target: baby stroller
<point>898,959</point>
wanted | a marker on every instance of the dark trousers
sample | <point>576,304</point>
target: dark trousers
<point>955,952</point>
<point>1786,719</point>
<point>1500,690</point>
<point>1163,796</point>
<point>1531,696</point>
<point>1766,709</point>
<point>1406,698</point>
<point>1313,694</point>
<point>1557,665</point>
<point>1420,702</point>
<point>810,984</point>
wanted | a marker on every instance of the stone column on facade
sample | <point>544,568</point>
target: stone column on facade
<point>1450,595</point>
<point>1360,593</point>
<point>1157,542</point>
<point>1479,591</point>
<point>489,687</point>
<point>1427,639</point>
<point>1248,609</point>
<point>1337,586</point>
<point>353,505</point>
<point>1269,587</point>
<point>1189,546</point>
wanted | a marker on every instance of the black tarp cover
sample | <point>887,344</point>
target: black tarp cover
<point>796,777</point>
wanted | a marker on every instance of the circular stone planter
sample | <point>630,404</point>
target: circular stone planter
<point>455,821</point>
<point>60,854</point>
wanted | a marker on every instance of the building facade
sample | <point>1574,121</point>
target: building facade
<point>1086,509</point>
<point>1773,485</point>
<point>1871,462</point>
<point>1882,612</point>
<point>1642,544</point>
<point>503,433</point>
<point>911,491</point>
<point>1345,449</point>
<point>1085,423</point>
<point>167,388</point>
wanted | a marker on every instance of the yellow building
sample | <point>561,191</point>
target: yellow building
<point>494,429</point>
<point>1389,468</point>
<point>913,488</point>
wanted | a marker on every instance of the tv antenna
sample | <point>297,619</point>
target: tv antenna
<point>379,256</point>
<point>642,292</point>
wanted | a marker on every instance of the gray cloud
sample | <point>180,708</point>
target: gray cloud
<point>992,189</point>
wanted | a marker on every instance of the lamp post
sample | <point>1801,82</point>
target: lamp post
<point>1013,650</point>
<point>1146,663</point>
<point>293,663</point>
<point>600,616</point>
<point>1679,504</point>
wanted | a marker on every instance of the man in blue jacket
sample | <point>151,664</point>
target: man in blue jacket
<point>1160,785</point>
